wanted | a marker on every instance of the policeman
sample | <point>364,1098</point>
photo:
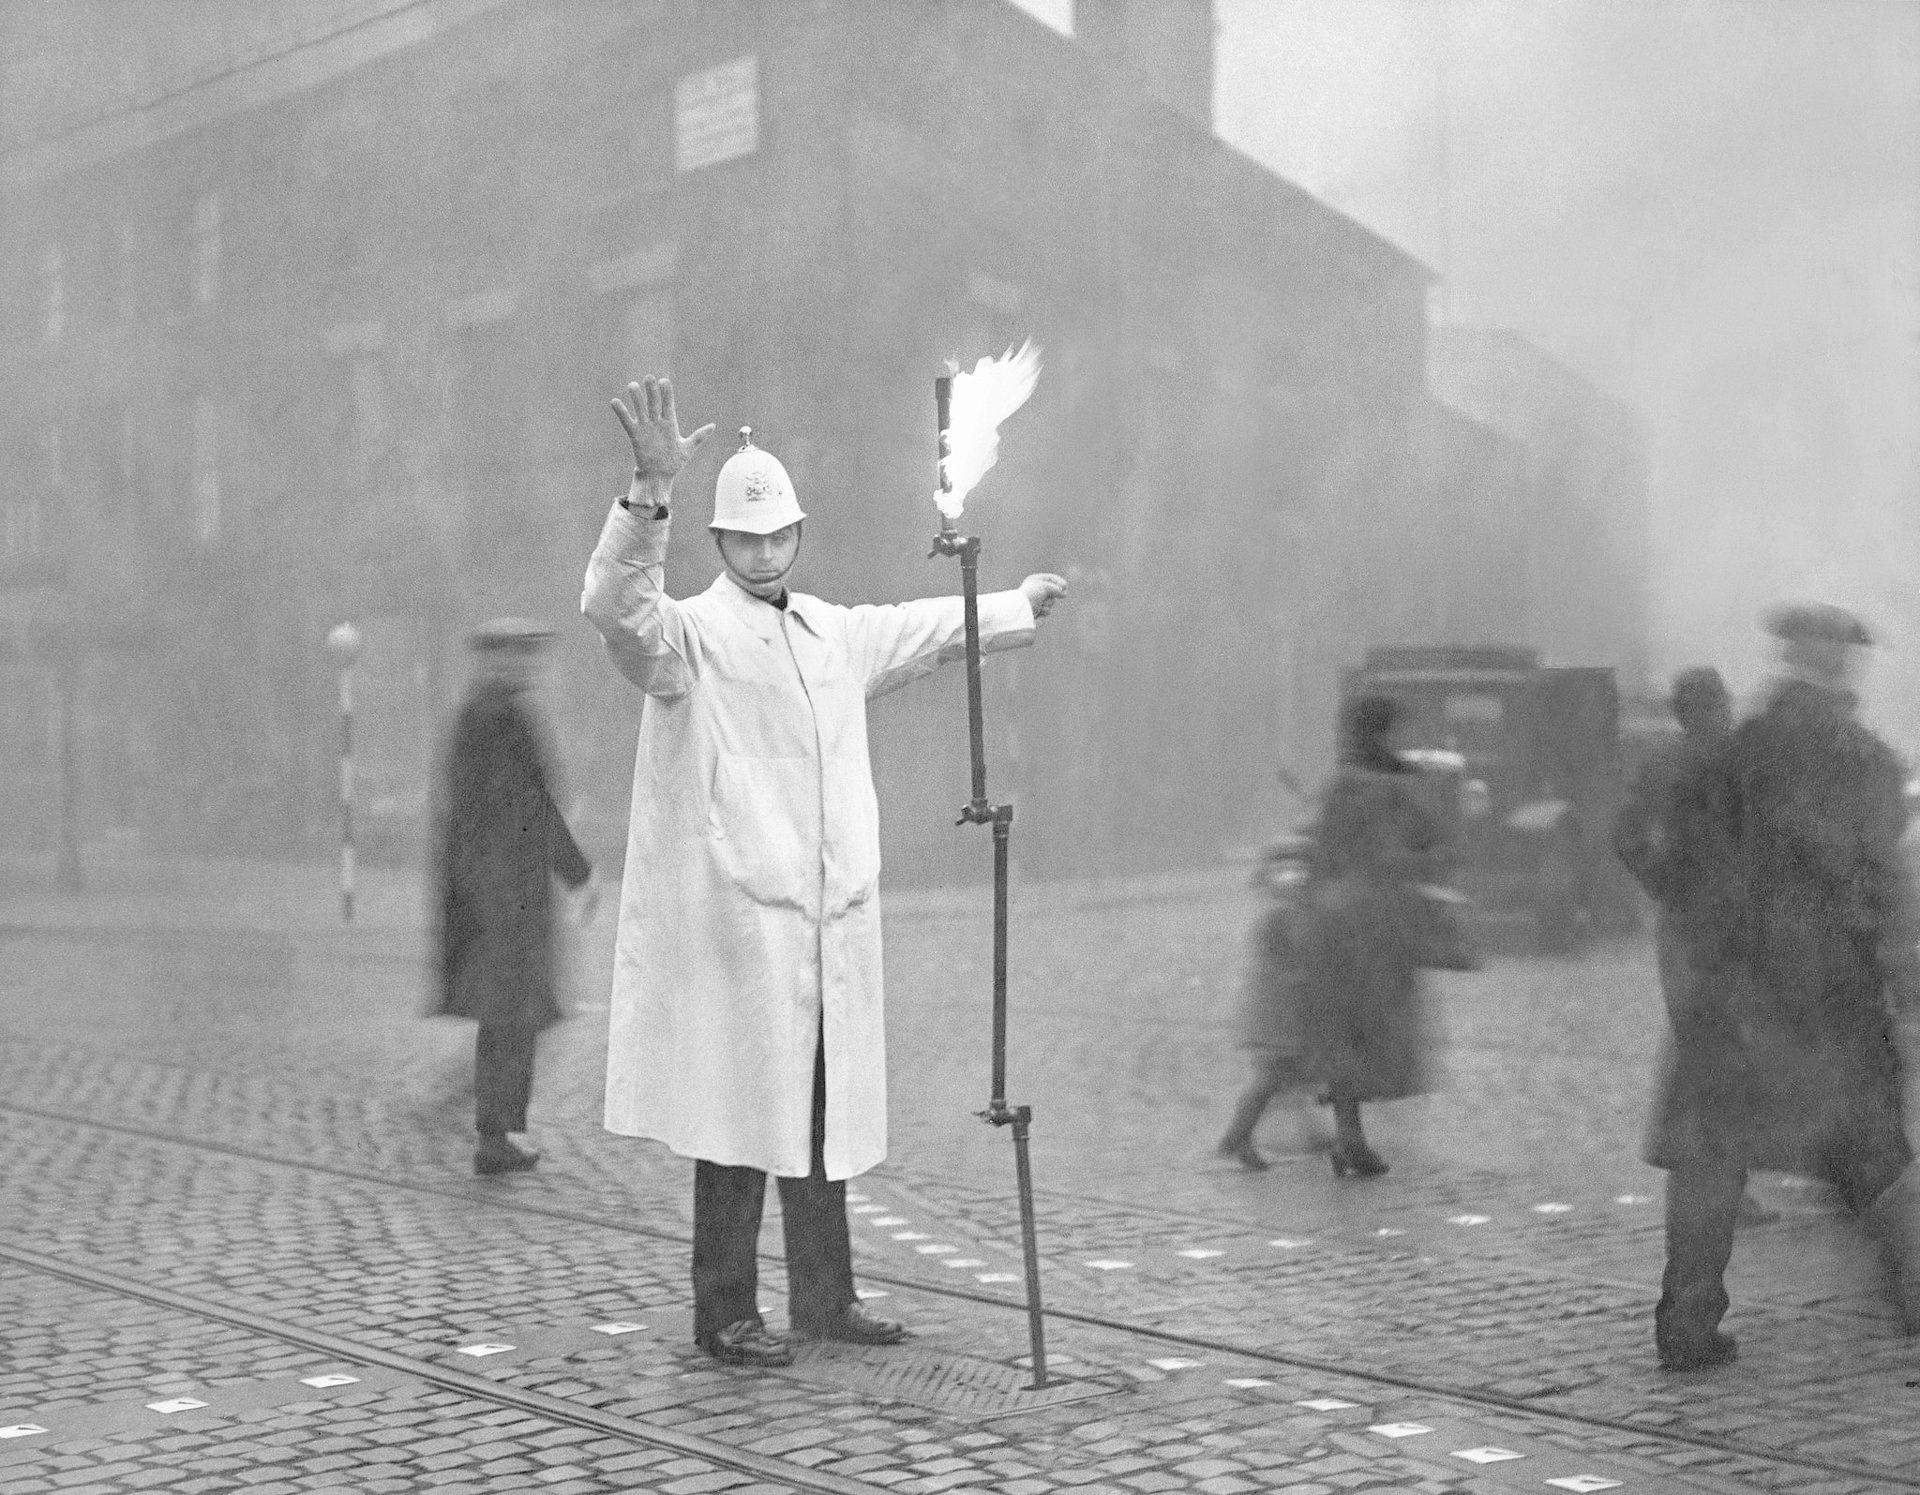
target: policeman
<point>746,1028</point>
<point>1801,938</point>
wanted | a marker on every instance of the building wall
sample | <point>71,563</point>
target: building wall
<point>367,382</point>
<point>1588,526</point>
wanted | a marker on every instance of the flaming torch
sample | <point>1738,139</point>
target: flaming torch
<point>969,409</point>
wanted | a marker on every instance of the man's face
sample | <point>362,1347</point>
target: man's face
<point>1831,661</point>
<point>760,563</point>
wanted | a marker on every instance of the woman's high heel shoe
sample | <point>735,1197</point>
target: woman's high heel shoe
<point>1356,1158</point>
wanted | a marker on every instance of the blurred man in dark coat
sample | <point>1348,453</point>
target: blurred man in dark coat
<point>502,842</point>
<point>1800,931</point>
<point>1647,837</point>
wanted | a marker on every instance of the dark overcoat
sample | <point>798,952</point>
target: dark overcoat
<point>1784,1054</point>
<point>1363,1021</point>
<point>501,841</point>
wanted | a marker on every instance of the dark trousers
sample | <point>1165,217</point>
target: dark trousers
<point>726,1236</point>
<point>502,1077</point>
<point>1703,1206</point>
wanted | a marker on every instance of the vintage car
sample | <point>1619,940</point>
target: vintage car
<point>1535,753</point>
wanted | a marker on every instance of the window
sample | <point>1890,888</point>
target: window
<point>53,293</point>
<point>206,472</point>
<point>206,250</point>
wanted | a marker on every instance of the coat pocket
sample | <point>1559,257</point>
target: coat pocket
<point>764,826</point>
<point>853,836</point>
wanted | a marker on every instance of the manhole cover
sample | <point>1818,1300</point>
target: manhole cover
<point>958,1384</point>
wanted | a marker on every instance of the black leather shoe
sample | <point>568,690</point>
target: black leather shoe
<point>498,1155</point>
<point>746,1342</point>
<point>855,1326</point>
<point>1698,1351</point>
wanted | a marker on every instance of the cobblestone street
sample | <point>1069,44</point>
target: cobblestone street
<point>243,1248</point>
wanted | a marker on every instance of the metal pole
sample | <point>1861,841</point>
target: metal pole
<point>1030,1247</point>
<point>980,812</point>
<point>72,877</point>
<point>346,793</point>
<point>976,714</point>
<point>1002,830</point>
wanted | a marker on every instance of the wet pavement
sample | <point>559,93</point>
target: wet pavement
<point>237,1174</point>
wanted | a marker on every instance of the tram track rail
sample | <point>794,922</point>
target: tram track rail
<point>798,1476</point>
<point>450,1378</point>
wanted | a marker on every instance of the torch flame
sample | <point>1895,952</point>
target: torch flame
<point>981,401</point>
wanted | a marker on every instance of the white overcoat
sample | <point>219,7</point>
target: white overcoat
<point>749,909</point>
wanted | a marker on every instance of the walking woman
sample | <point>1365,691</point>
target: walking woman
<point>1363,1024</point>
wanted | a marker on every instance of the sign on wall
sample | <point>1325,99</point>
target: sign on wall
<point>716,114</point>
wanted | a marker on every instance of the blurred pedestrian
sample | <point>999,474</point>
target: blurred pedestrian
<point>1799,937</point>
<point>502,842</point>
<point>1363,1020</point>
<point>746,1025</point>
<point>1646,836</point>
<point>1270,998</point>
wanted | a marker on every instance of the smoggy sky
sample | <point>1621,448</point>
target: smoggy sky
<point>1706,206</point>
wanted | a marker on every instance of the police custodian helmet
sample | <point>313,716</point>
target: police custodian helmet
<point>754,493</point>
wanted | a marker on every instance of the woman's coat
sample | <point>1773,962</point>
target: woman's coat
<point>750,911</point>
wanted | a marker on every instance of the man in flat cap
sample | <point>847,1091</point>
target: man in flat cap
<point>502,842</point>
<point>1803,931</point>
<point>1652,844</point>
<point>747,1030</point>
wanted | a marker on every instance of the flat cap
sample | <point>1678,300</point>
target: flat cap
<point>522,635</point>
<point>1817,620</point>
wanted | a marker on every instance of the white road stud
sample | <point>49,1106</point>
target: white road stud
<point>1288,1243</point>
<point>1109,1264</point>
<point>936,1249</point>
<point>890,1220</point>
<point>1247,1383</point>
<point>1326,1404</point>
<point>176,1404</point>
<point>910,1235</point>
<point>618,1328</point>
<point>1553,1207</point>
<point>479,1350</point>
<point>1583,1484</point>
<point>997,1277</point>
<point>1486,1455</point>
<point>1633,1199</point>
<point>864,1293</point>
<point>961,1261</point>
<point>1388,1230</point>
<point>1173,1362</point>
<point>1469,1219</point>
<point>21,1430</point>
<point>1199,1253</point>
<point>1400,1429</point>
<point>323,1382</point>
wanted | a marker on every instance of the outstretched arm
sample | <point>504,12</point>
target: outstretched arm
<point>645,631</point>
<point>898,644</point>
